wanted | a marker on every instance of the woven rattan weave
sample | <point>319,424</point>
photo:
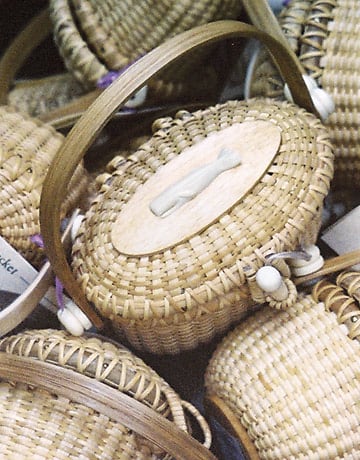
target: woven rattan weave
<point>325,36</point>
<point>37,422</point>
<point>188,292</point>
<point>97,37</point>
<point>182,292</point>
<point>27,147</point>
<point>288,381</point>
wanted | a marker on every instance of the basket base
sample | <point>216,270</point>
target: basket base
<point>216,408</point>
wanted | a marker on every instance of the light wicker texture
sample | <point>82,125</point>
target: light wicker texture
<point>94,38</point>
<point>325,36</point>
<point>39,96</point>
<point>291,379</point>
<point>38,424</point>
<point>27,147</point>
<point>182,296</point>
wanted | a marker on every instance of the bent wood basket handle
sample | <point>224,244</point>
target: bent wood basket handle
<point>85,131</point>
<point>35,32</point>
<point>106,400</point>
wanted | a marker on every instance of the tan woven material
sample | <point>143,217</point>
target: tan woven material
<point>325,36</point>
<point>177,298</point>
<point>97,37</point>
<point>291,379</point>
<point>38,424</point>
<point>38,96</point>
<point>27,148</point>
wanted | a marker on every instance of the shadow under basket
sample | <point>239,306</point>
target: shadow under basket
<point>286,384</point>
<point>69,397</point>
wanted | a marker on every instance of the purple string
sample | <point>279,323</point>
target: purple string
<point>59,288</point>
<point>112,75</point>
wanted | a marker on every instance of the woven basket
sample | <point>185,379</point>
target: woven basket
<point>324,35</point>
<point>97,37</point>
<point>40,96</point>
<point>65,397</point>
<point>27,147</point>
<point>287,383</point>
<point>171,292</point>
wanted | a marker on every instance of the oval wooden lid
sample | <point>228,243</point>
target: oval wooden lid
<point>217,186</point>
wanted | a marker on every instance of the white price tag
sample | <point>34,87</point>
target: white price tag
<point>16,274</point>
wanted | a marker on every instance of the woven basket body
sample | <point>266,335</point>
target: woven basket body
<point>325,36</point>
<point>36,423</point>
<point>181,295</point>
<point>27,148</point>
<point>291,378</point>
<point>39,96</point>
<point>97,37</point>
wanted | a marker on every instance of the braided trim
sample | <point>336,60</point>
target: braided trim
<point>103,361</point>
<point>289,301</point>
<point>316,30</point>
<point>346,309</point>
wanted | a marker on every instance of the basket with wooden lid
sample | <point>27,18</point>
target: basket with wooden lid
<point>70,397</point>
<point>323,35</point>
<point>286,383</point>
<point>195,228</point>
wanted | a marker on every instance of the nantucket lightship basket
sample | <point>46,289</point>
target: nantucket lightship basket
<point>170,267</point>
<point>324,35</point>
<point>286,383</point>
<point>70,397</point>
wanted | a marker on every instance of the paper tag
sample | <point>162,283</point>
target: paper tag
<point>16,274</point>
<point>344,235</point>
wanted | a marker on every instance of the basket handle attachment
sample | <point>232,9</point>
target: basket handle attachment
<point>262,16</point>
<point>104,399</point>
<point>85,131</point>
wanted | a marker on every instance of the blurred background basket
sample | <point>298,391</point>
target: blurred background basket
<point>95,38</point>
<point>324,36</point>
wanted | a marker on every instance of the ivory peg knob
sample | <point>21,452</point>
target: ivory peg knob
<point>70,322</point>
<point>73,319</point>
<point>269,280</point>
<point>75,226</point>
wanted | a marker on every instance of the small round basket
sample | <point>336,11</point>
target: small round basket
<point>27,147</point>
<point>323,34</point>
<point>170,290</point>
<point>66,397</point>
<point>95,38</point>
<point>286,384</point>
<point>170,248</point>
